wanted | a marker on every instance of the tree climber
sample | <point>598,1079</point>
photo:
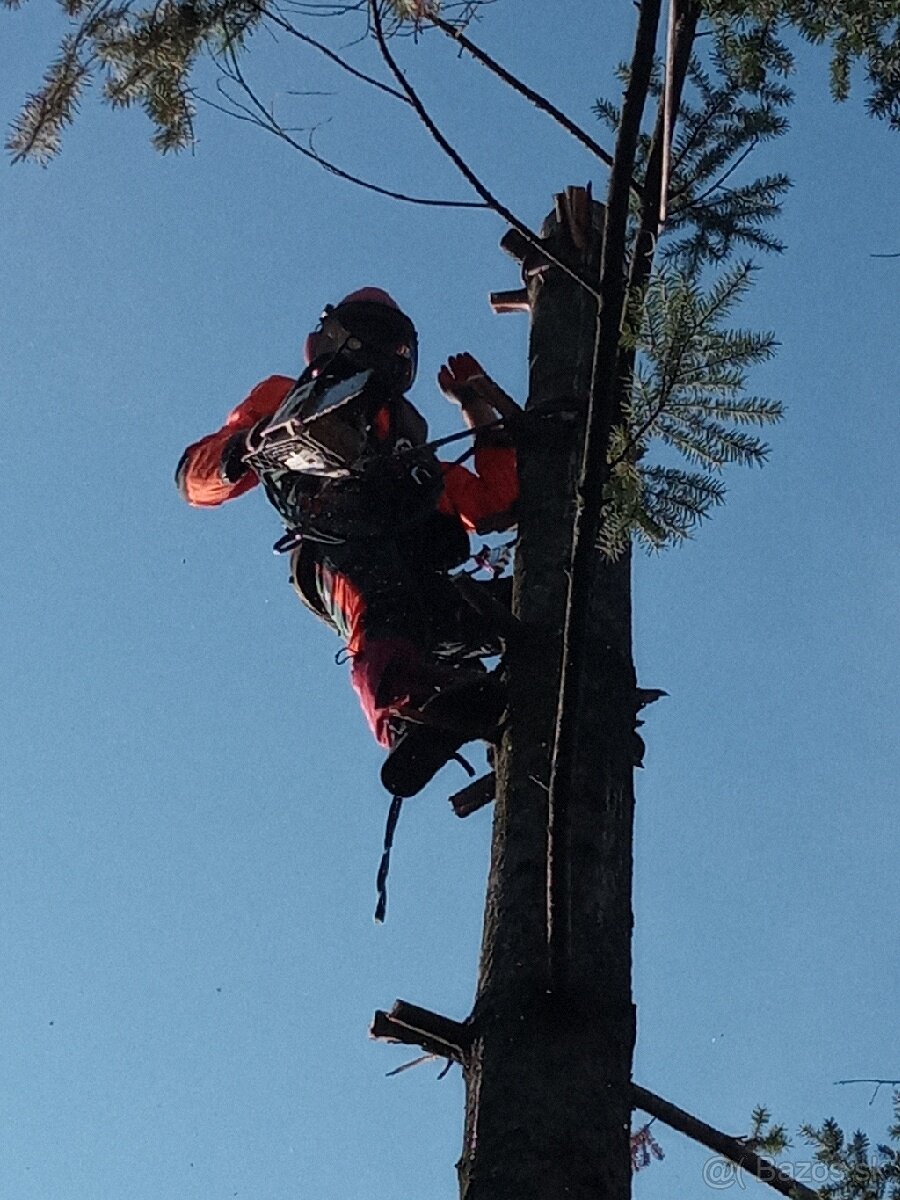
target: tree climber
<point>375,522</point>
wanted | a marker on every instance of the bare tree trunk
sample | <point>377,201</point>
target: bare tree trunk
<point>548,1075</point>
<point>548,1066</point>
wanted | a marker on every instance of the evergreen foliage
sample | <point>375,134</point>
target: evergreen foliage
<point>687,398</point>
<point>147,53</point>
<point>858,1169</point>
<point>719,124</point>
<point>715,134</point>
<point>751,34</point>
<point>766,1138</point>
<point>850,1167</point>
<point>143,55</point>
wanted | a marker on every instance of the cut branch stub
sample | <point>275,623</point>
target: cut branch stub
<point>413,1026</point>
<point>575,229</point>
<point>582,220</point>
<point>474,796</point>
<point>575,209</point>
<point>514,300</point>
<point>516,246</point>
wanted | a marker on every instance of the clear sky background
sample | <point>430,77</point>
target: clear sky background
<point>191,817</point>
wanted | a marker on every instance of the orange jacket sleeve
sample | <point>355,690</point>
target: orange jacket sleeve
<point>199,474</point>
<point>483,499</point>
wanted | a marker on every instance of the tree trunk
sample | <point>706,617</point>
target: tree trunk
<point>548,1068</point>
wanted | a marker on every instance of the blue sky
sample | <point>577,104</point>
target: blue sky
<point>191,818</point>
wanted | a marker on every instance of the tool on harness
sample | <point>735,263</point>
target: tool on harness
<point>340,458</point>
<point>316,431</point>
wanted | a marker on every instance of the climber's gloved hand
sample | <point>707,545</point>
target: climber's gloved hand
<point>461,379</point>
<point>465,382</point>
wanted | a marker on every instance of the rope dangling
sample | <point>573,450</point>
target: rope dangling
<point>385,865</point>
<point>509,424</point>
<point>465,764</point>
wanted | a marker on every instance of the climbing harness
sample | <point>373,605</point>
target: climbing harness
<point>329,482</point>
<point>343,457</point>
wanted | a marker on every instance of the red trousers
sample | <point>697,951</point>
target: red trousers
<point>387,598</point>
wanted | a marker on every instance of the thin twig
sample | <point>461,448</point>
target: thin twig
<point>461,165</point>
<point>330,54</point>
<point>264,119</point>
<point>318,10</point>
<point>539,101</point>
<point>413,1062</point>
<point>697,202</point>
<point>706,119</point>
<point>880,1083</point>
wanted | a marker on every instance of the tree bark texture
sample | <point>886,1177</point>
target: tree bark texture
<point>548,1075</point>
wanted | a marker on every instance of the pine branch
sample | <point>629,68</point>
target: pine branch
<point>691,355</point>
<point>37,130</point>
<point>687,391</point>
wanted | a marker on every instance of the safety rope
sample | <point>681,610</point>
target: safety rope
<point>545,408</point>
<point>385,865</point>
<point>390,826</point>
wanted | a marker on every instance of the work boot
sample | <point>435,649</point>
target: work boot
<point>458,714</point>
<point>470,706</point>
<point>416,757</point>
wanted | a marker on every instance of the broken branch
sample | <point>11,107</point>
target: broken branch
<point>721,1143</point>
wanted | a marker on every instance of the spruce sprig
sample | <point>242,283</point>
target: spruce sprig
<point>711,211</point>
<point>144,55</point>
<point>688,397</point>
<point>753,36</point>
<point>857,1168</point>
<point>766,1138</point>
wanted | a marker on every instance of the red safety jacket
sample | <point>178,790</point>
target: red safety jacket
<point>482,499</point>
